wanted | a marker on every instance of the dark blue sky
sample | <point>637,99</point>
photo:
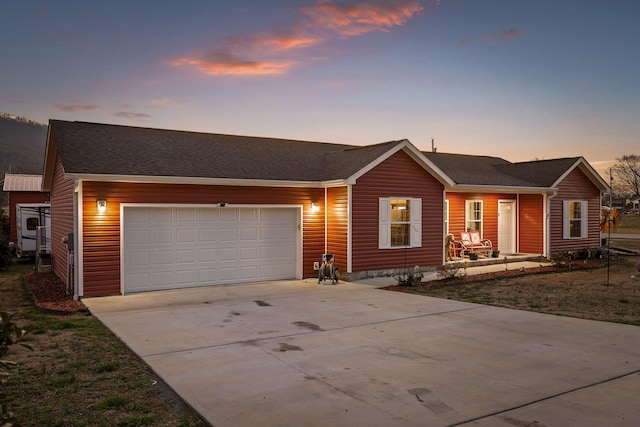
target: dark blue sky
<point>512,78</point>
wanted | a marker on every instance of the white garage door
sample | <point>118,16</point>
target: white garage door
<point>178,247</point>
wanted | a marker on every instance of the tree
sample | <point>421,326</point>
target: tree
<point>627,170</point>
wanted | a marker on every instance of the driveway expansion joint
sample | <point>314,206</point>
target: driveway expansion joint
<point>546,398</point>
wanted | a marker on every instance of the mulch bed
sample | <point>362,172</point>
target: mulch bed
<point>50,295</point>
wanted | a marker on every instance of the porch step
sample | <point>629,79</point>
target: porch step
<point>505,259</point>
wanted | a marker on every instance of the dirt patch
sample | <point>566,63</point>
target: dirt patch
<point>49,294</point>
<point>597,289</point>
<point>78,373</point>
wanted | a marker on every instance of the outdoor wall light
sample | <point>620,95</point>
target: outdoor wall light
<point>315,207</point>
<point>102,206</point>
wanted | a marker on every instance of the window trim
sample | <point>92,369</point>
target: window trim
<point>384,222</point>
<point>467,203</point>
<point>566,219</point>
<point>446,216</point>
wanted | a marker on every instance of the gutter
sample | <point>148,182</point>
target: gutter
<point>149,179</point>
<point>469,188</point>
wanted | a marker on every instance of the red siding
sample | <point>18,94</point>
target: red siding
<point>16,198</point>
<point>576,186</point>
<point>457,207</point>
<point>61,218</point>
<point>102,232</point>
<point>398,176</point>
<point>338,225</point>
<point>531,219</point>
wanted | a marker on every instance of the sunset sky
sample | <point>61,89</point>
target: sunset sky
<point>518,79</point>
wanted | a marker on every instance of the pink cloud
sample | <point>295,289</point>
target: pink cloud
<point>218,63</point>
<point>509,34</point>
<point>353,19</point>
<point>277,41</point>
<point>72,108</point>
<point>277,51</point>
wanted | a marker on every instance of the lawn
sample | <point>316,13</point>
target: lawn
<point>79,373</point>
<point>630,224</point>
<point>606,292</point>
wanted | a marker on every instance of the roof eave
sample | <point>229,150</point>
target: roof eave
<point>202,181</point>
<point>591,174</point>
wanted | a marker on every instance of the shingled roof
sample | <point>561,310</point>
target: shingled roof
<point>93,149</point>
<point>102,149</point>
<point>494,171</point>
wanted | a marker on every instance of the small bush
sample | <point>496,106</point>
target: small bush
<point>410,277</point>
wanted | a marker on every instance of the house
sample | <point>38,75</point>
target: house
<point>22,189</point>
<point>538,207</point>
<point>146,209</point>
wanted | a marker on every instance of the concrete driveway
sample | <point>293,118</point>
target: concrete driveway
<point>296,353</point>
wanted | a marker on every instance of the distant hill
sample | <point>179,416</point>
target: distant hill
<point>22,144</point>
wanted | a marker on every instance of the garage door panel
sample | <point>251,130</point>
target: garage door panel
<point>162,236</point>
<point>248,234</point>
<point>186,256</point>
<point>211,275</point>
<point>228,235</point>
<point>248,215</point>
<point>163,278</point>
<point>163,257</point>
<point>249,253</point>
<point>207,235</point>
<point>185,215</point>
<point>228,254</point>
<point>185,277</point>
<point>161,215</point>
<point>172,247</point>
<point>208,255</point>
<point>186,235</point>
<point>228,215</point>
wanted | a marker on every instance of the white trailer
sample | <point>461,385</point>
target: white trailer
<point>33,222</point>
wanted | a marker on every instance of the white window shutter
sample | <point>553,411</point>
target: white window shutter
<point>584,219</point>
<point>566,219</point>
<point>384,223</point>
<point>416,223</point>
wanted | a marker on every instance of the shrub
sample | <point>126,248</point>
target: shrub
<point>409,277</point>
<point>447,271</point>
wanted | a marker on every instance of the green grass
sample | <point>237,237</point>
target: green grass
<point>630,224</point>
<point>80,374</point>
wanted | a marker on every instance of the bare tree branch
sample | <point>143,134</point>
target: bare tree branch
<point>627,171</point>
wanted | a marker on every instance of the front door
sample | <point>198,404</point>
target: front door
<point>507,226</point>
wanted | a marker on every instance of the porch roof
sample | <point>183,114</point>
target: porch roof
<point>496,172</point>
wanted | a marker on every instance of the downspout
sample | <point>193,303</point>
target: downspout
<point>518,223</point>
<point>349,229</point>
<point>77,227</point>
<point>326,216</point>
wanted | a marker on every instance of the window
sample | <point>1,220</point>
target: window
<point>400,222</point>
<point>32,223</point>
<point>473,215</point>
<point>575,219</point>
